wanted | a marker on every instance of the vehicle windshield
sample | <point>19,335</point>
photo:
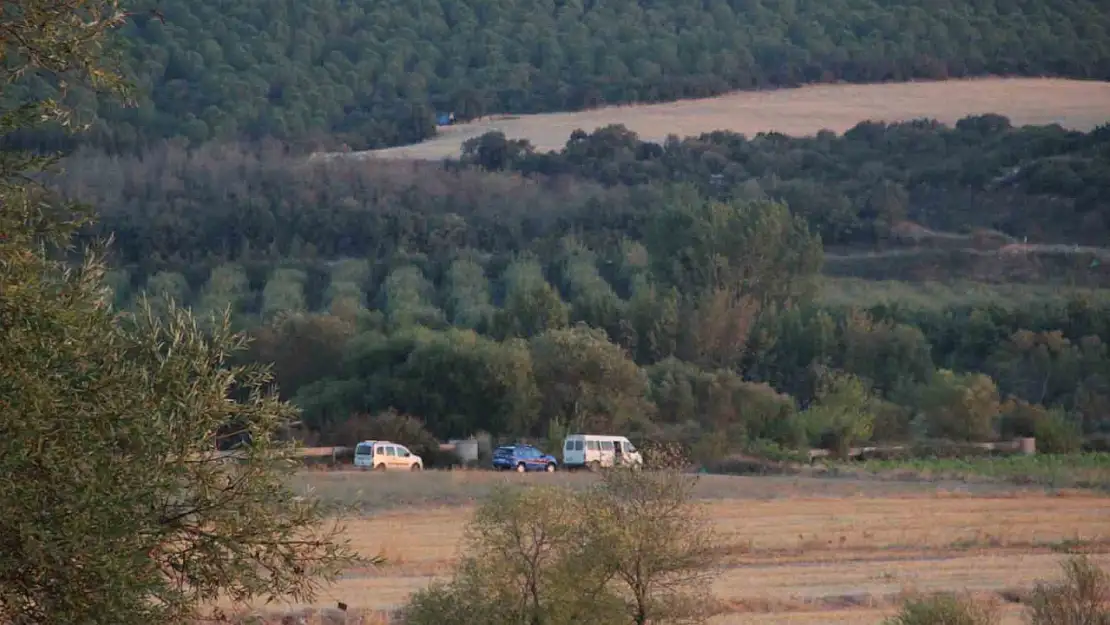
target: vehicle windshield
<point>364,449</point>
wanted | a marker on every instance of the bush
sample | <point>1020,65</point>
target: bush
<point>945,610</point>
<point>664,454</point>
<point>1057,434</point>
<point>1082,598</point>
<point>842,414</point>
<point>526,562</point>
<point>631,549</point>
<point>961,407</point>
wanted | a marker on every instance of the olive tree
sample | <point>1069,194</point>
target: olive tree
<point>115,507</point>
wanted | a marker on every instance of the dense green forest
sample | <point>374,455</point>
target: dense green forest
<point>670,290</point>
<point>677,290</point>
<point>373,73</point>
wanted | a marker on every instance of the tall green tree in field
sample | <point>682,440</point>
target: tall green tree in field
<point>114,508</point>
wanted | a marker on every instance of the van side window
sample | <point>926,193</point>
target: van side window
<point>606,445</point>
<point>629,447</point>
<point>391,451</point>
<point>577,445</point>
<point>591,445</point>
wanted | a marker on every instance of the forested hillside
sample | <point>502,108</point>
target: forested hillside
<point>665,290</point>
<point>372,73</point>
<point>175,209</point>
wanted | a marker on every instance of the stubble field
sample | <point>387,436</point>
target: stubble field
<point>803,111</point>
<point>796,549</point>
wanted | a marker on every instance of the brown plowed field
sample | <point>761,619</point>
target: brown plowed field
<point>806,559</point>
<point>802,111</point>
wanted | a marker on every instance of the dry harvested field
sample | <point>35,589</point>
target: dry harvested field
<point>797,550</point>
<point>802,111</point>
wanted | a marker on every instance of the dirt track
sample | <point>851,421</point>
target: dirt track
<point>803,111</point>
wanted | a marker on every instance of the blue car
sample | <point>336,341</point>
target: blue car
<point>521,458</point>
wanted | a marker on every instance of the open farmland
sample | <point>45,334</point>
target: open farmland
<point>1076,104</point>
<point>796,549</point>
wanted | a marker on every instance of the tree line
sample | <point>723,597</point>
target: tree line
<point>373,74</point>
<point>707,333</point>
<point>869,188</point>
<point>859,187</point>
<point>621,284</point>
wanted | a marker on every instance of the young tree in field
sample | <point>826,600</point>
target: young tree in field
<point>632,550</point>
<point>655,542</point>
<point>115,511</point>
<point>529,550</point>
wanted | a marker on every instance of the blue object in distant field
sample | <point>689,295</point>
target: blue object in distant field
<point>521,458</point>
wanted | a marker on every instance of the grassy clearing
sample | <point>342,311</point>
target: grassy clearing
<point>1089,470</point>
<point>373,493</point>
<point>845,292</point>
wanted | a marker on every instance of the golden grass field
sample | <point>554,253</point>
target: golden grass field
<point>797,550</point>
<point>801,111</point>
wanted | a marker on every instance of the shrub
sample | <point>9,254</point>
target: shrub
<point>841,415</point>
<point>657,546</point>
<point>1057,434</point>
<point>1082,598</point>
<point>945,610</point>
<point>526,562</point>
<point>961,407</point>
<point>664,454</point>
<point>631,549</point>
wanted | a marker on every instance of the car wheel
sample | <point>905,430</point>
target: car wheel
<point>550,468</point>
<point>594,466</point>
<point>415,467</point>
<point>520,468</point>
<point>380,467</point>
